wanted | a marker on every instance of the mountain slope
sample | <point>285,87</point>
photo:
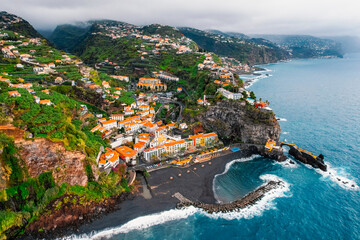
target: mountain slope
<point>17,24</point>
<point>47,151</point>
<point>245,50</point>
<point>304,46</point>
<point>67,36</point>
<point>350,44</point>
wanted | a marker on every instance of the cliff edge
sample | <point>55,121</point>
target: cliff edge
<point>237,121</point>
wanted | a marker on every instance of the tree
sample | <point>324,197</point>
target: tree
<point>244,93</point>
<point>252,95</point>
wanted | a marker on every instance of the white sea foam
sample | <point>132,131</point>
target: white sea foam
<point>266,203</point>
<point>264,71</point>
<point>285,133</point>
<point>288,163</point>
<point>340,177</point>
<point>255,79</point>
<point>141,223</point>
<point>282,119</point>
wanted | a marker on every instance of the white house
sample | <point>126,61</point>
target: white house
<point>117,117</point>
<point>230,95</point>
<point>109,124</point>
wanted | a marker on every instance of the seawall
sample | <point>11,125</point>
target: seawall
<point>246,201</point>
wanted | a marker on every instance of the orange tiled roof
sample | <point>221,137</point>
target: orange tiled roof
<point>45,101</point>
<point>169,144</point>
<point>109,122</point>
<point>126,151</point>
<point>139,145</point>
<point>13,92</point>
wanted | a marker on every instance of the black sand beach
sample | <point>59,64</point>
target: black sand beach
<point>196,185</point>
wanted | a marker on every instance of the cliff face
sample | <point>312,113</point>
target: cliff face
<point>43,155</point>
<point>234,121</point>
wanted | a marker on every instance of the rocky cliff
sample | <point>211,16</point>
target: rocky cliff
<point>236,121</point>
<point>43,155</point>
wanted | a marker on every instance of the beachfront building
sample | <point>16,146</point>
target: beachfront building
<point>153,153</point>
<point>201,140</point>
<point>172,147</point>
<point>271,144</point>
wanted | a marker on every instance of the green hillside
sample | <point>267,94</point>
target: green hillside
<point>244,50</point>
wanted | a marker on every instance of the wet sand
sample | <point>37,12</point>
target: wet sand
<point>197,185</point>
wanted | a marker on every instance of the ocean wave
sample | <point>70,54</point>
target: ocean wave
<point>281,119</point>
<point>288,163</point>
<point>141,223</point>
<point>264,71</point>
<point>340,177</point>
<point>255,79</point>
<point>285,133</point>
<point>266,203</point>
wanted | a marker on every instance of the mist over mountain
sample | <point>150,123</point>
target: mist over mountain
<point>305,46</point>
<point>350,44</point>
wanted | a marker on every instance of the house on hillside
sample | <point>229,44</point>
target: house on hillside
<point>14,94</point>
<point>59,80</point>
<point>46,102</point>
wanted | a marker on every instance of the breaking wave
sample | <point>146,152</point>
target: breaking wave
<point>288,163</point>
<point>251,81</point>
<point>340,177</point>
<point>140,223</point>
<point>281,119</point>
<point>266,203</point>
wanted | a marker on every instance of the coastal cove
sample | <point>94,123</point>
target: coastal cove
<point>315,206</point>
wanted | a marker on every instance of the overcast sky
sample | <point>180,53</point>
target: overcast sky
<point>315,17</point>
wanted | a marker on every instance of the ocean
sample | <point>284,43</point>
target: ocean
<point>318,104</point>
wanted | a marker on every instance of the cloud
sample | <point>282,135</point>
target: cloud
<point>315,17</point>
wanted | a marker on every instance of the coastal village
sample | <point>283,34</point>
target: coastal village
<point>136,138</point>
<point>80,137</point>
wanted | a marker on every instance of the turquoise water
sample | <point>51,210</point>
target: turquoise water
<point>320,101</point>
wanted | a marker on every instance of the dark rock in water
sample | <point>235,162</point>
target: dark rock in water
<point>306,157</point>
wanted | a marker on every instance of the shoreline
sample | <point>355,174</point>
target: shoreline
<point>196,185</point>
